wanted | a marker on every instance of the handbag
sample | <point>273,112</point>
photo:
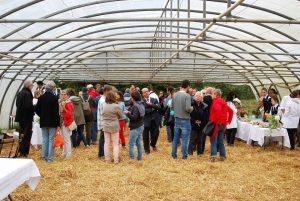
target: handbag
<point>209,128</point>
<point>72,126</point>
<point>58,140</point>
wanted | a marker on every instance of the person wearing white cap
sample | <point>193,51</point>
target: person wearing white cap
<point>92,92</point>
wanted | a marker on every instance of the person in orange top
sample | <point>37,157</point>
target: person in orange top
<point>221,115</point>
<point>67,113</point>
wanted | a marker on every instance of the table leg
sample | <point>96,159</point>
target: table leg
<point>10,198</point>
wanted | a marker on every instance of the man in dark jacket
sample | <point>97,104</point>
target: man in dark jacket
<point>151,121</point>
<point>47,109</point>
<point>24,115</point>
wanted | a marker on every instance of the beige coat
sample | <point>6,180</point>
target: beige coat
<point>110,117</point>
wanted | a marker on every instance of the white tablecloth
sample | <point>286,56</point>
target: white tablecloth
<point>36,138</point>
<point>249,133</point>
<point>243,130</point>
<point>14,172</point>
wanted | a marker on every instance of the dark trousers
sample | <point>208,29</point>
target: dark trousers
<point>150,136</point>
<point>88,131</point>
<point>26,131</point>
<point>292,133</point>
<point>230,135</point>
<point>101,144</point>
<point>197,140</point>
<point>77,136</point>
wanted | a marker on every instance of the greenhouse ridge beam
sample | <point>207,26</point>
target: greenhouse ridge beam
<point>146,50</point>
<point>147,39</point>
<point>142,58</point>
<point>179,64</point>
<point>206,20</point>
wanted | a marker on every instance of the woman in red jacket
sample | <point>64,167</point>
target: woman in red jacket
<point>221,115</point>
<point>67,113</point>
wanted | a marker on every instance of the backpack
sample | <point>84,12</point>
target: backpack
<point>86,106</point>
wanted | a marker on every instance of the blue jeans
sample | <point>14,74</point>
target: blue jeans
<point>47,146</point>
<point>101,144</point>
<point>135,138</point>
<point>218,143</point>
<point>182,126</point>
<point>94,131</point>
<point>79,131</point>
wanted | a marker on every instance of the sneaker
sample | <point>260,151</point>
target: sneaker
<point>222,158</point>
<point>63,155</point>
<point>87,146</point>
<point>213,159</point>
<point>155,149</point>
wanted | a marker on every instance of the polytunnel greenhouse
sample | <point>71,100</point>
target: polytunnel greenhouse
<point>215,50</point>
<point>243,42</point>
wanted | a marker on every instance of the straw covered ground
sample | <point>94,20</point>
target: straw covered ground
<point>250,173</point>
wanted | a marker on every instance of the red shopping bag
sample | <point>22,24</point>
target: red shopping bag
<point>58,140</point>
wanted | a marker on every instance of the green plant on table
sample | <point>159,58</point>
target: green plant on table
<point>273,121</point>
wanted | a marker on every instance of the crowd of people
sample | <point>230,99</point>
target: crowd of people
<point>107,113</point>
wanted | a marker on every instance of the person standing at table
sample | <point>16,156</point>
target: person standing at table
<point>221,114</point>
<point>24,115</point>
<point>67,114</point>
<point>290,117</point>
<point>231,128</point>
<point>47,108</point>
<point>181,104</point>
<point>266,100</point>
<point>275,105</point>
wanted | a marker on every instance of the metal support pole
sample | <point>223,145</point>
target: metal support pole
<point>189,23</point>
<point>204,16</point>
<point>228,6</point>
<point>178,5</point>
<point>171,25</point>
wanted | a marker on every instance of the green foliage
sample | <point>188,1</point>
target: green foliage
<point>242,91</point>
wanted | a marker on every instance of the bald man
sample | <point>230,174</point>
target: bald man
<point>151,121</point>
<point>24,115</point>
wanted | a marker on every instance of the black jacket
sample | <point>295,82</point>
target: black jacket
<point>25,109</point>
<point>208,101</point>
<point>267,104</point>
<point>47,109</point>
<point>199,113</point>
<point>136,120</point>
<point>151,112</point>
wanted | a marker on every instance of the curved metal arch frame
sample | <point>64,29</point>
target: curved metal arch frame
<point>230,27</point>
<point>270,80</point>
<point>215,1</point>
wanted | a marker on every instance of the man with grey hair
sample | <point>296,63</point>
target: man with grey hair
<point>47,109</point>
<point>24,115</point>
